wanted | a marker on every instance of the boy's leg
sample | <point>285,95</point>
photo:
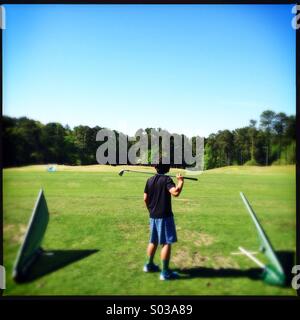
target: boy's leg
<point>150,266</point>
<point>167,237</point>
<point>151,249</point>
<point>165,256</point>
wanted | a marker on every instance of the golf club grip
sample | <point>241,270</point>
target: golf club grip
<point>188,178</point>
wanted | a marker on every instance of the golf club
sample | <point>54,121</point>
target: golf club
<point>147,172</point>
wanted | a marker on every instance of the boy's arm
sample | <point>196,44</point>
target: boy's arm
<point>146,199</point>
<point>175,191</point>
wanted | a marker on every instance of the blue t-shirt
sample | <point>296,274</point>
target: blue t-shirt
<point>159,197</point>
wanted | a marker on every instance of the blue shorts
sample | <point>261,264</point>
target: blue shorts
<point>162,230</point>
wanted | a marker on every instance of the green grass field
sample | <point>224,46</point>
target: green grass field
<point>93,208</point>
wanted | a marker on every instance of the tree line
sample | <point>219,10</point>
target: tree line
<point>271,141</point>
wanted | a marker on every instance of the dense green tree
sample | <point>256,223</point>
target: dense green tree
<point>53,143</point>
<point>252,133</point>
<point>242,145</point>
<point>267,119</point>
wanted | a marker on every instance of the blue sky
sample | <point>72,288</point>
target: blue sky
<point>188,69</point>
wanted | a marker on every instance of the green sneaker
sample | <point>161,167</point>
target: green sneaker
<point>150,267</point>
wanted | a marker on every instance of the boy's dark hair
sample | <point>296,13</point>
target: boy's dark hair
<point>162,168</point>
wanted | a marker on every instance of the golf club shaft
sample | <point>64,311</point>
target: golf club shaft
<point>170,175</point>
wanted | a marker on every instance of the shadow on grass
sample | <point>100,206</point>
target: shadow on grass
<point>49,261</point>
<point>203,272</point>
<point>286,258</point>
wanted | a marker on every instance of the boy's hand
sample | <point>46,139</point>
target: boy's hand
<point>179,177</point>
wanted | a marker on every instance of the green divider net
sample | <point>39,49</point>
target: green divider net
<point>273,273</point>
<point>31,245</point>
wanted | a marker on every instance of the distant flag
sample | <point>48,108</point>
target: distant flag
<point>51,168</point>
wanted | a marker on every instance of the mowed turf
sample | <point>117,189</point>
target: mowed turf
<point>94,208</point>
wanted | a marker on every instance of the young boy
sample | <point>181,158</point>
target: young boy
<point>157,197</point>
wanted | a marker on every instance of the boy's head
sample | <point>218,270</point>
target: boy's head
<point>162,168</point>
